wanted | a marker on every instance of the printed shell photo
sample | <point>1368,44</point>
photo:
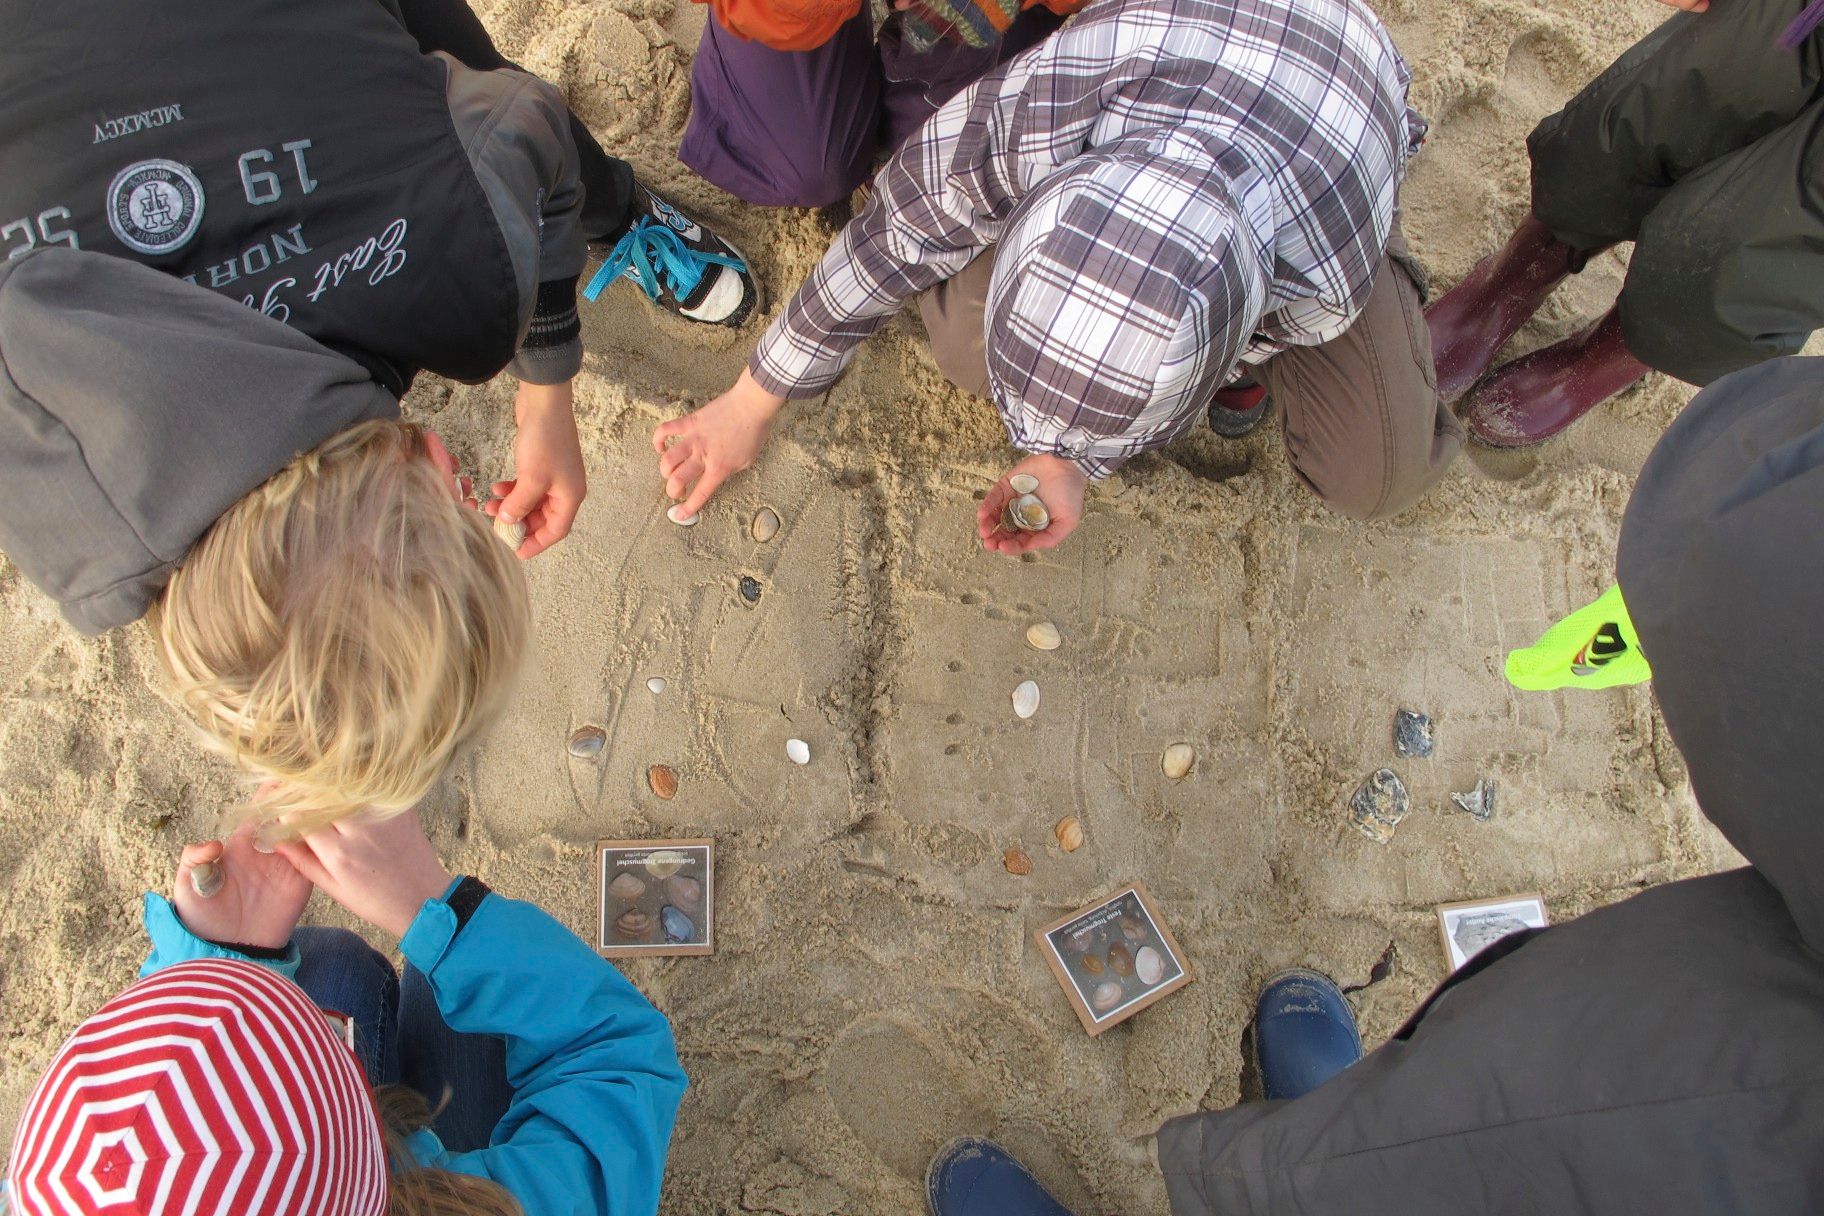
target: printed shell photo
<point>1114,958</point>
<point>657,897</point>
<point>1474,925</point>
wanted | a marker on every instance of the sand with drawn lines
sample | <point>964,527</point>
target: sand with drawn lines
<point>875,990</point>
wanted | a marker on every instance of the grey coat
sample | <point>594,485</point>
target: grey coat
<point>1663,1055</point>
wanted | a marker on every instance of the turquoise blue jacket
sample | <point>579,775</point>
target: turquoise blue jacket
<point>595,1075</point>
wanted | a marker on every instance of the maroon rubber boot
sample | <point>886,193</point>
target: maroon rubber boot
<point>1472,321</point>
<point>1537,395</point>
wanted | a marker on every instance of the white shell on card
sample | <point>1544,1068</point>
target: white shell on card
<point>683,521</point>
<point>1026,700</point>
<point>798,751</point>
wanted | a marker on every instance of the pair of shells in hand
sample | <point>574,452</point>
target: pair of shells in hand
<point>1024,512</point>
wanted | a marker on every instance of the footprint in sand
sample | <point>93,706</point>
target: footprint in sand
<point>900,1094</point>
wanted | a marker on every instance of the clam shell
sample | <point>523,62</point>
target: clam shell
<point>586,742</point>
<point>677,926</point>
<point>798,751</point>
<point>206,879</point>
<point>626,886</point>
<point>685,891</point>
<point>1177,761</point>
<point>1016,861</point>
<point>674,514</point>
<point>1106,996</point>
<point>765,525</point>
<point>1043,635</point>
<point>1120,959</point>
<point>1026,514</point>
<point>1149,965</point>
<point>663,863</point>
<point>1026,700</point>
<point>1023,483</point>
<point>656,685</point>
<point>1069,833</point>
<point>633,923</point>
<point>1092,963</point>
<point>663,780</point>
<point>511,531</point>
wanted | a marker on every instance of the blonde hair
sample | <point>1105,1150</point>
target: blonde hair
<point>416,1191</point>
<point>345,629</point>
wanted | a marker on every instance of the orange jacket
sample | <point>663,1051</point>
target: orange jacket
<point>800,25</point>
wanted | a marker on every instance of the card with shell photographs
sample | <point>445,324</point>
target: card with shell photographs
<point>1114,958</point>
<point>1475,924</point>
<point>657,897</point>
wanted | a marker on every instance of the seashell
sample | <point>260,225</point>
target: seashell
<point>749,587</point>
<point>1108,994</point>
<point>1120,959</point>
<point>586,742</point>
<point>206,879</point>
<point>663,780</point>
<point>1132,927</point>
<point>1177,761</point>
<point>765,525</point>
<point>656,685</point>
<point>1149,965</point>
<point>677,926</point>
<point>1411,734</point>
<point>1044,636</point>
<point>663,863</point>
<point>1069,833</point>
<point>683,521</point>
<point>1082,939</point>
<point>1092,963</point>
<point>1026,700</point>
<point>633,923</point>
<point>626,887</point>
<point>798,751</point>
<point>1378,805</point>
<point>1016,861</point>
<point>1025,514</point>
<point>685,891</point>
<point>1023,483</point>
<point>1479,802</point>
<point>511,531</point>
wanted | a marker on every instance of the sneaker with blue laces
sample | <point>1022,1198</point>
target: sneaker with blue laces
<point>682,266</point>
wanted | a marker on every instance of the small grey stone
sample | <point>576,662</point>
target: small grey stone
<point>1378,805</point>
<point>1479,802</point>
<point>1411,734</point>
<point>750,589</point>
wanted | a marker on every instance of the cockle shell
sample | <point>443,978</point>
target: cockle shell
<point>626,886</point>
<point>798,751</point>
<point>675,515</point>
<point>633,923</point>
<point>1025,513</point>
<point>1043,635</point>
<point>663,780</point>
<point>1177,761</point>
<point>663,863</point>
<point>1069,833</point>
<point>586,742</point>
<point>1121,959</point>
<point>656,685</point>
<point>765,525</point>
<point>1107,995</point>
<point>685,891</point>
<point>513,531</point>
<point>1149,965</point>
<point>1016,861</point>
<point>206,879</point>
<point>1026,700</point>
<point>1023,483</point>
<point>1092,963</point>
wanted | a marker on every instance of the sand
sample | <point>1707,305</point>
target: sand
<point>875,991</point>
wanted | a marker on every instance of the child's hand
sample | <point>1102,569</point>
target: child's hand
<point>257,902</point>
<point>382,870</point>
<point>548,483</point>
<point>715,442</point>
<point>1061,488</point>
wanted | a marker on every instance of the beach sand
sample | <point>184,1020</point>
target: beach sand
<point>875,989</point>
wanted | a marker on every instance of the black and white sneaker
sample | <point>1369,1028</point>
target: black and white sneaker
<point>682,266</point>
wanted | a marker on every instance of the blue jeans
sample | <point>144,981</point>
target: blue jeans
<point>401,1037</point>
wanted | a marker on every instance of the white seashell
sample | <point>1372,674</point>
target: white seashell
<point>206,879</point>
<point>1044,636</point>
<point>656,685</point>
<point>511,531</point>
<point>1177,760</point>
<point>1148,965</point>
<point>1026,514</point>
<point>765,525</point>
<point>798,751</point>
<point>1023,483</point>
<point>683,521</point>
<point>1026,700</point>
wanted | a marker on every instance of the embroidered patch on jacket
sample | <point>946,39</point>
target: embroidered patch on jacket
<point>155,206</point>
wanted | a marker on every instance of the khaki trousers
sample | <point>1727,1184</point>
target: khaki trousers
<point>1363,425</point>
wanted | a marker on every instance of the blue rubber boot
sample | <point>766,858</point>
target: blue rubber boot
<point>1304,1034</point>
<point>973,1177</point>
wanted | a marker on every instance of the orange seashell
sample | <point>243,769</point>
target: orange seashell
<point>1070,834</point>
<point>1016,861</point>
<point>663,780</point>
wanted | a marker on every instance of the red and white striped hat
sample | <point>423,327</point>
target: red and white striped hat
<point>211,1088</point>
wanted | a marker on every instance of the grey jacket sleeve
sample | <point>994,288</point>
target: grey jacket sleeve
<point>135,408</point>
<point>516,130</point>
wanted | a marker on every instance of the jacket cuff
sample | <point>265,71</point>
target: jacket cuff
<point>173,943</point>
<point>769,379</point>
<point>440,920</point>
